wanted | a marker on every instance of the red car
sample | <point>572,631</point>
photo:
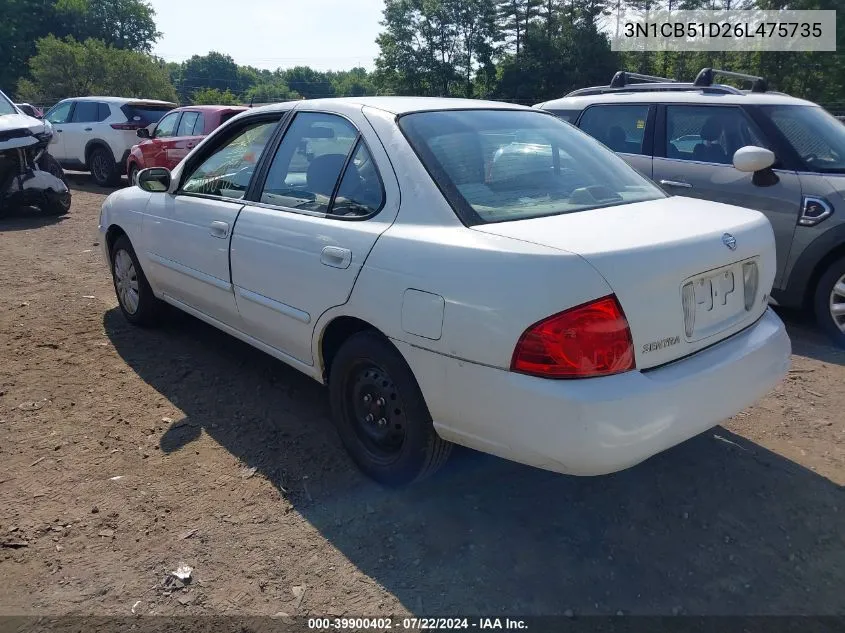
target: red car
<point>175,135</point>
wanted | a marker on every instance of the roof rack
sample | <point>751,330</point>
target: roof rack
<point>655,87</point>
<point>705,79</point>
<point>621,79</point>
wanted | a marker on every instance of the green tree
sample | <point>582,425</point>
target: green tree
<point>123,24</point>
<point>213,96</point>
<point>214,70</point>
<point>308,82</point>
<point>67,68</point>
<point>352,83</point>
<point>513,18</point>
<point>271,91</point>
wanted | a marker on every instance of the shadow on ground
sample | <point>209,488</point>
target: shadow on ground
<point>807,339</point>
<point>26,218</point>
<point>718,525</point>
<point>78,181</point>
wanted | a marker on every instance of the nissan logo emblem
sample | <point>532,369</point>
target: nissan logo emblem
<point>729,241</point>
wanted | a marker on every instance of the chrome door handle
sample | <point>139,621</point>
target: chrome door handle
<point>676,183</point>
<point>336,257</point>
<point>219,229</point>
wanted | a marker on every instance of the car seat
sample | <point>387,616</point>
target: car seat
<point>709,151</point>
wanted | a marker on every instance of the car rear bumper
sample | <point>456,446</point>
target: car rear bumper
<point>600,425</point>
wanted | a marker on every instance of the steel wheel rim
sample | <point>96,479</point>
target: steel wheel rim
<point>837,304</point>
<point>376,410</point>
<point>133,176</point>
<point>99,167</point>
<point>126,281</point>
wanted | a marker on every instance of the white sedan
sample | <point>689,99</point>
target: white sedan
<point>459,271</point>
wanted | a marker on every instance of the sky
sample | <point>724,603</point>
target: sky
<point>323,34</point>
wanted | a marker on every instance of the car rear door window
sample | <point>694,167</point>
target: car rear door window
<point>227,170</point>
<point>187,123</point>
<point>103,111</point>
<point>167,126</point>
<point>199,125</point>
<point>621,128</point>
<point>708,134</point>
<point>86,112</point>
<point>309,162</point>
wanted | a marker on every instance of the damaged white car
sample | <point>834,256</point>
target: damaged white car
<point>29,176</point>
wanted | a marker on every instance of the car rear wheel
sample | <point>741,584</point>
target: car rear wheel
<point>380,413</point>
<point>830,302</point>
<point>134,296</point>
<point>103,168</point>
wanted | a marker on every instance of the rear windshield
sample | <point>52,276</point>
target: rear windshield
<point>145,114</point>
<point>500,165</point>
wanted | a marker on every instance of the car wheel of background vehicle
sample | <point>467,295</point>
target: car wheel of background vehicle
<point>380,412</point>
<point>134,295</point>
<point>55,203</point>
<point>51,166</point>
<point>132,175</point>
<point>830,302</point>
<point>102,167</point>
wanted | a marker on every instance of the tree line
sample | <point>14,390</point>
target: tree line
<point>515,50</point>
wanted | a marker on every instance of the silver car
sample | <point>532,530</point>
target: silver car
<point>754,148</point>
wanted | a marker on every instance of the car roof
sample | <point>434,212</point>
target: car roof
<point>122,100</point>
<point>703,96</point>
<point>394,105</point>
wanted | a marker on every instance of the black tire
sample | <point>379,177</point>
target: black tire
<point>822,302</point>
<point>148,310</point>
<point>51,166</point>
<point>103,168</point>
<point>132,174</point>
<point>55,203</point>
<point>409,448</point>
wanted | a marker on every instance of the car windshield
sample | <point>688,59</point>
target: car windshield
<point>816,135</point>
<point>6,106</point>
<point>500,165</point>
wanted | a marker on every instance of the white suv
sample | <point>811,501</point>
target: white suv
<point>96,133</point>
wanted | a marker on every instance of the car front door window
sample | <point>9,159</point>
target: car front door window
<point>60,113</point>
<point>226,172</point>
<point>167,126</point>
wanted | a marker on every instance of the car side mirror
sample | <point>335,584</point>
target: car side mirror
<point>752,159</point>
<point>154,179</point>
<point>143,132</point>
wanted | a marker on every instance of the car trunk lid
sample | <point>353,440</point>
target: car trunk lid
<point>675,264</point>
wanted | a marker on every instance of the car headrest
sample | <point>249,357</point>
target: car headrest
<point>712,128</point>
<point>323,172</point>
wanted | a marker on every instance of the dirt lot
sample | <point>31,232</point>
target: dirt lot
<point>124,452</point>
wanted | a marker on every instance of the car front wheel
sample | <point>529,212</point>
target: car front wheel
<point>134,296</point>
<point>830,302</point>
<point>380,412</point>
<point>103,168</point>
<point>132,175</point>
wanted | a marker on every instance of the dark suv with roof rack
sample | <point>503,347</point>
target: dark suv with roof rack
<point>755,148</point>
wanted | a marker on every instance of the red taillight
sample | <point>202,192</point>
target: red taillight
<point>589,340</point>
<point>127,126</point>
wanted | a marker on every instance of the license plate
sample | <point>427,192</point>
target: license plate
<point>713,302</point>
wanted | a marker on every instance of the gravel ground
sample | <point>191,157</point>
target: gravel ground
<point>125,452</point>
